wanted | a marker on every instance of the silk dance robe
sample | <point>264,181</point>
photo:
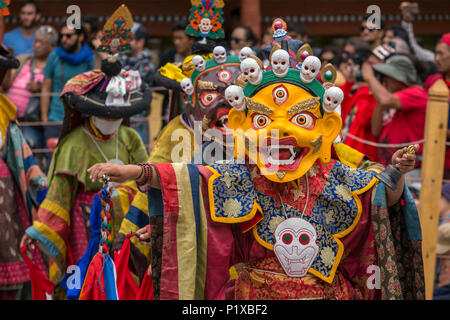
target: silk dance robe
<point>62,222</point>
<point>22,188</point>
<point>213,235</point>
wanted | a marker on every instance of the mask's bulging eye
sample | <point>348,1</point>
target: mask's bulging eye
<point>303,120</point>
<point>208,97</point>
<point>304,239</point>
<point>260,121</point>
<point>287,238</point>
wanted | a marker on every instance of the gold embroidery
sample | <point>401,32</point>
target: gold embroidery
<point>343,192</point>
<point>329,216</point>
<point>232,208</point>
<point>281,174</point>
<point>316,144</point>
<point>313,171</point>
<point>304,105</point>
<point>228,179</point>
<point>297,193</point>
<point>258,107</point>
<point>327,256</point>
<point>206,85</point>
<point>274,222</point>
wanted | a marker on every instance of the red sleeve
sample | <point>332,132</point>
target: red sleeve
<point>412,97</point>
<point>346,105</point>
<point>365,106</point>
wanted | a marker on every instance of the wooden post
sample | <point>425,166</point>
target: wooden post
<point>251,15</point>
<point>432,175</point>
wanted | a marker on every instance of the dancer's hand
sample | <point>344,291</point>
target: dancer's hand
<point>29,241</point>
<point>116,173</point>
<point>143,235</point>
<point>403,160</point>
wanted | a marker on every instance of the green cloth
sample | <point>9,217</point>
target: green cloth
<point>76,153</point>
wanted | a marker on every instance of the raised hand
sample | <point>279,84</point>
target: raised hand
<point>405,158</point>
<point>116,173</point>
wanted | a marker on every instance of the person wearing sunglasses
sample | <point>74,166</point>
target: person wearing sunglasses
<point>71,57</point>
<point>242,36</point>
<point>373,36</point>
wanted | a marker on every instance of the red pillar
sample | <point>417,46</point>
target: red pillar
<point>251,15</point>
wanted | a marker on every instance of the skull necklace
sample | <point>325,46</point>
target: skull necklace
<point>295,242</point>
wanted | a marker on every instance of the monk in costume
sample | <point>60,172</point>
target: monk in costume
<point>293,221</point>
<point>201,81</point>
<point>97,105</point>
<point>22,188</point>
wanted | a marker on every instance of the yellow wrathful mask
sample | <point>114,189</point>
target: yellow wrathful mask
<point>284,122</point>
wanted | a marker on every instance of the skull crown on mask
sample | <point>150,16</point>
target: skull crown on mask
<point>220,54</point>
<point>251,71</point>
<point>280,63</point>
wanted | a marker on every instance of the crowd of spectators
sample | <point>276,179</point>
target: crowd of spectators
<point>384,73</point>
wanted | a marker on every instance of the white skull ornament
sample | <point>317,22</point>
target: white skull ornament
<point>295,246</point>
<point>186,85</point>
<point>205,25</point>
<point>235,97</point>
<point>244,53</point>
<point>251,71</point>
<point>280,63</point>
<point>220,54</point>
<point>199,63</point>
<point>310,69</point>
<point>332,99</point>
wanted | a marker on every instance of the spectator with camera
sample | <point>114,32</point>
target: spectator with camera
<point>401,101</point>
<point>359,102</point>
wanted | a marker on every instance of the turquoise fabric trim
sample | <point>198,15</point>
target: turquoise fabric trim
<point>409,210</point>
<point>380,196</point>
<point>234,193</point>
<point>155,202</point>
<point>52,250</point>
<point>412,219</point>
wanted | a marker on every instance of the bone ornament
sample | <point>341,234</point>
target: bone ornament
<point>295,246</point>
<point>199,63</point>
<point>310,69</point>
<point>244,53</point>
<point>186,85</point>
<point>251,71</point>
<point>235,97</point>
<point>332,99</point>
<point>220,54</point>
<point>280,63</point>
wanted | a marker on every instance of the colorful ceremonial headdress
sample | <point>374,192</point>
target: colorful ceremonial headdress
<point>110,92</point>
<point>206,19</point>
<point>118,27</point>
<point>291,100</point>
